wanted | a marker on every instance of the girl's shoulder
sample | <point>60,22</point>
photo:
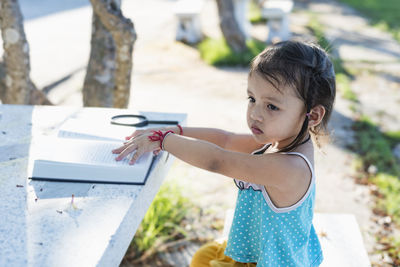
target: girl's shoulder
<point>294,181</point>
<point>295,168</point>
<point>303,157</point>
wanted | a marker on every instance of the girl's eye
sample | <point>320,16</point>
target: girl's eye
<point>251,99</point>
<point>272,107</point>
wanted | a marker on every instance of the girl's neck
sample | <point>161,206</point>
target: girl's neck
<point>305,143</point>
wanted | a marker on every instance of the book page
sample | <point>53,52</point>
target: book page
<point>93,129</point>
<point>83,152</point>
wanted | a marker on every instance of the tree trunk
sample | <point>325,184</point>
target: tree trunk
<point>115,54</point>
<point>18,87</point>
<point>229,26</point>
<point>100,81</point>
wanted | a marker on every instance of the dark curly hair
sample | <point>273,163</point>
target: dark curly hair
<point>306,67</point>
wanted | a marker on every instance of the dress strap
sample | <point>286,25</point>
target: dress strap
<point>305,159</point>
<point>261,150</point>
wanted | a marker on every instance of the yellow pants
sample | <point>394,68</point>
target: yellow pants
<point>212,255</point>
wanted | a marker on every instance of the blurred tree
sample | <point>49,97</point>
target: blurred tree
<point>108,76</point>
<point>16,86</point>
<point>235,38</point>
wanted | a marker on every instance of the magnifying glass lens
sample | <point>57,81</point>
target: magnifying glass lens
<point>129,120</point>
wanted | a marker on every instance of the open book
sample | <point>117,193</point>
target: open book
<point>84,155</point>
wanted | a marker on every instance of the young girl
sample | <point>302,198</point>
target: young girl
<point>291,90</point>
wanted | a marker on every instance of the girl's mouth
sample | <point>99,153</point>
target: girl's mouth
<point>256,130</point>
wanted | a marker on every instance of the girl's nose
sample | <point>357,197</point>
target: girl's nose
<point>255,114</point>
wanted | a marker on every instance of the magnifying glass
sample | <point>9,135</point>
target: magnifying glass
<point>136,120</point>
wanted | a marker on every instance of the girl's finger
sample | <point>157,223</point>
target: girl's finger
<point>134,134</point>
<point>128,141</point>
<point>119,150</point>
<point>135,157</point>
<point>126,152</point>
<point>130,136</point>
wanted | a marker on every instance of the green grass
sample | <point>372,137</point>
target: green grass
<point>384,14</point>
<point>217,52</point>
<point>374,147</point>
<point>389,187</point>
<point>393,137</point>
<point>163,221</point>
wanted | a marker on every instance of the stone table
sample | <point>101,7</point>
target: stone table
<point>38,225</point>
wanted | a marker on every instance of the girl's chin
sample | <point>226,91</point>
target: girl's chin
<point>260,139</point>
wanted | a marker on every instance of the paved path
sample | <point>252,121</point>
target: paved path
<point>376,57</point>
<point>169,76</point>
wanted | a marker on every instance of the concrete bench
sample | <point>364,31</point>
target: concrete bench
<point>277,14</point>
<point>339,235</point>
<point>187,13</point>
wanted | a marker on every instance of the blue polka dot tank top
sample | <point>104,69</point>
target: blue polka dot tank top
<point>272,236</point>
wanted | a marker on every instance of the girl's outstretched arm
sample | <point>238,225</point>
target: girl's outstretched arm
<point>275,169</point>
<point>213,135</point>
<point>224,139</point>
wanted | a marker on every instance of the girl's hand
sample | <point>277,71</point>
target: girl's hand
<point>175,129</point>
<point>139,143</point>
<point>136,133</point>
<point>141,132</point>
<point>145,131</point>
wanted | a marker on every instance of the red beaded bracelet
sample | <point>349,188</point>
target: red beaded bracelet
<point>180,129</point>
<point>159,136</point>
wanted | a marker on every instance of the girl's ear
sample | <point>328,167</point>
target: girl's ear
<point>316,115</point>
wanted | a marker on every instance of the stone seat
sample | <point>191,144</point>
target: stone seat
<point>277,14</point>
<point>187,13</point>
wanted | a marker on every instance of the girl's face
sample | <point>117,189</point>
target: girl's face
<point>273,116</point>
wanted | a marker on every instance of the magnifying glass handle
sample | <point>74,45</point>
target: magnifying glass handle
<point>164,122</point>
